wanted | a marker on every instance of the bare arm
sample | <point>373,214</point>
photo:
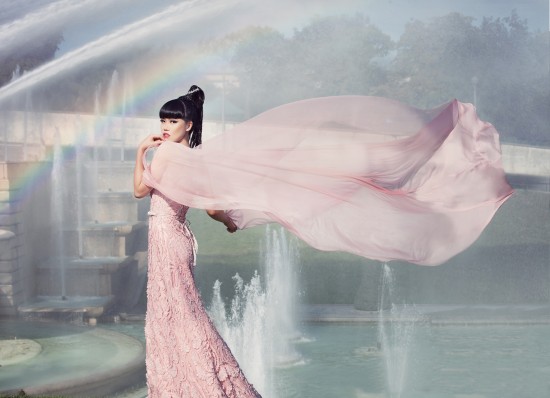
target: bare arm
<point>221,216</point>
<point>140,189</point>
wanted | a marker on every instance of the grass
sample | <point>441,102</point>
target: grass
<point>22,394</point>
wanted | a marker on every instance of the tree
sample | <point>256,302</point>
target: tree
<point>261,59</point>
<point>341,55</point>
<point>330,56</point>
<point>500,62</point>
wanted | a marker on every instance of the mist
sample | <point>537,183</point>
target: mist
<point>81,83</point>
<point>422,55</point>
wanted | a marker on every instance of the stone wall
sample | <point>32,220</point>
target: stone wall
<point>11,254</point>
<point>10,276</point>
<point>24,221</point>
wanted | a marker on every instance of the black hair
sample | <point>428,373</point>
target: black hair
<point>189,108</point>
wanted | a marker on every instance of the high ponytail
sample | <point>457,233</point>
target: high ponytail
<point>195,95</point>
<point>187,107</point>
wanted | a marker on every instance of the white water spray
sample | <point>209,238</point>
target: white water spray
<point>261,325</point>
<point>184,14</point>
<point>57,210</point>
<point>33,25</point>
<point>395,332</point>
<point>111,126</point>
<point>79,170</point>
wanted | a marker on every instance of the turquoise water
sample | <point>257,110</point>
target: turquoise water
<point>481,361</point>
<point>343,360</point>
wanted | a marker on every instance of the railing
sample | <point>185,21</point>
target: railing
<point>529,182</point>
<point>19,152</point>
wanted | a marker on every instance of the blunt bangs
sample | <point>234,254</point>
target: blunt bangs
<point>172,110</point>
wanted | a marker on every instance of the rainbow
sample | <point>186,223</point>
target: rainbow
<point>164,77</point>
<point>153,81</point>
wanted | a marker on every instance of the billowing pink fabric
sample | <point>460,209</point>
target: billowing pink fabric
<point>365,175</point>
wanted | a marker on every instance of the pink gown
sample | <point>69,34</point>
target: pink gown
<point>186,357</point>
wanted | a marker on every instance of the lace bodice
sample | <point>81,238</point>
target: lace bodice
<point>163,206</point>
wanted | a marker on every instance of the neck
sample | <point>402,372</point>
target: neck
<point>185,140</point>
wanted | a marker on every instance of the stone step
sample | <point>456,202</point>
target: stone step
<point>113,176</point>
<point>98,276</point>
<point>108,207</point>
<point>111,239</point>
<point>102,176</point>
<point>68,309</point>
<point>11,286</point>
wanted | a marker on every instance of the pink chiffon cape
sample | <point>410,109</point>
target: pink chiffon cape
<point>364,175</point>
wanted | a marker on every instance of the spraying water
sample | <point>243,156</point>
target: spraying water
<point>57,209</point>
<point>395,334</point>
<point>34,24</point>
<point>261,326</point>
<point>188,14</point>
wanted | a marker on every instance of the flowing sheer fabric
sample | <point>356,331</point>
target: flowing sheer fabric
<point>365,175</point>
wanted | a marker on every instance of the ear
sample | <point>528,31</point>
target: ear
<point>189,126</point>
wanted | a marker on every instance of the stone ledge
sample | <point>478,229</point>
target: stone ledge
<point>4,184</point>
<point>92,307</point>
<point>11,290</point>
<point>10,278</point>
<point>8,254</point>
<point>7,301</point>
<point>106,264</point>
<point>10,218</point>
<point>8,311</point>
<point>9,194</point>
<point>6,235</point>
<point>8,207</point>
<point>8,266</point>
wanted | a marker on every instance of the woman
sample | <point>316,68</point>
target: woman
<point>185,355</point>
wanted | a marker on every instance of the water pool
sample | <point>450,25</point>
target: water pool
<point>345,360</point>
<point>450,361</point>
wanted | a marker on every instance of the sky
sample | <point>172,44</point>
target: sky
<point>94,30</point>
<point>389,15</point>
<point>86,20</point>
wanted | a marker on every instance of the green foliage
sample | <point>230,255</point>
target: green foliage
<point>505,64</point>
<point>331,56</point>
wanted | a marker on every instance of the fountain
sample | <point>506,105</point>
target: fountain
<point>427,350</point>
<point>58,186</point>
<point>261,325</point>
<point>95,227</point>
<point>396,329</point>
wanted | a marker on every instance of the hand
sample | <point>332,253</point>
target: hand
<point>231,226</point>
<point>221,216</point>
<point>150,140</point>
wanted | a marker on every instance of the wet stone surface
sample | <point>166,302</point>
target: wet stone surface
<point>18,350</point>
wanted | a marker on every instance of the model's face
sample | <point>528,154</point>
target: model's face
<point>174,130</point>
